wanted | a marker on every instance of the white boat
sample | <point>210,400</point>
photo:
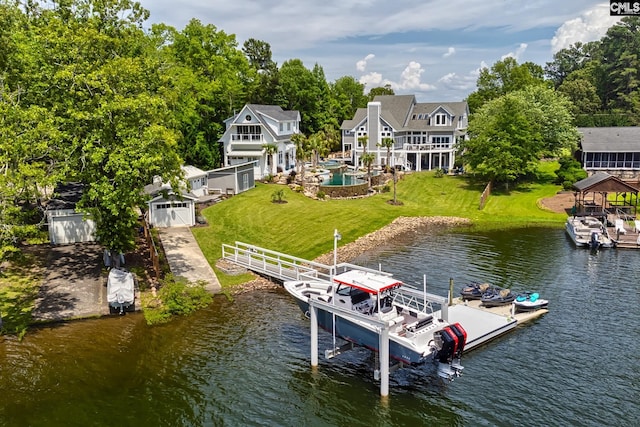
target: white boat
<point>359,300</point>
<point>120,290</point>
<point>588,231</point>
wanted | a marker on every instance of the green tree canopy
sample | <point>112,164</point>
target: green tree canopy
<point>510,134</point>
<point>380,90</point>
<point>505,76</point>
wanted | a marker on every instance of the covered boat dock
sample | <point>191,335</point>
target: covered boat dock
<point>614,202</point>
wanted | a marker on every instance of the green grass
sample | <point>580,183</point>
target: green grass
<point>19,284</point>
<point>304,227</point>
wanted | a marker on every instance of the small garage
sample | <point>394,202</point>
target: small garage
<point>166,209</point>
<point>65,224</point>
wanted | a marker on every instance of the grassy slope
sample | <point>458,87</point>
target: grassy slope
<point>304,227</point>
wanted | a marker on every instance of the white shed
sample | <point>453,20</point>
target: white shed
<point>65,224</point>
<point>167,209</point>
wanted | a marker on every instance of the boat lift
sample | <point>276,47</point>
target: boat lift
<point>482,325</point>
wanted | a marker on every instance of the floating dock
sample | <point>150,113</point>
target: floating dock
<point>486,323</point>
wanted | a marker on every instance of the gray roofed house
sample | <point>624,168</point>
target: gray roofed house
<point>248,132</point>
<point>615,150</point>
<point>424,133</point>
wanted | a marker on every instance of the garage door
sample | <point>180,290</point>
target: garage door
<point>175,214</point>
<point>69,229</point>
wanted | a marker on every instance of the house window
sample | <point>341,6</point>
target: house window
<point>440,142</point>
<point>441,119</point>
<point>281,127</point>
<point>280,157</point>
<point>289,126</point>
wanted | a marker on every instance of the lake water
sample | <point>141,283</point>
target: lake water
<point>246,362</point>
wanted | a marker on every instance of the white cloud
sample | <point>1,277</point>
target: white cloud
<point>590,26</point>
<point>361,65</point>
<point>456,82</point>
<point>371,80</point>
<point>449,52</point>
<point>518,53</point>
<point>411,78</point>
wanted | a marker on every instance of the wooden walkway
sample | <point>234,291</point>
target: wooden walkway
<point>630,239</point>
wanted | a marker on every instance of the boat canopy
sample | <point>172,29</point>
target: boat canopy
<point>366,281</point>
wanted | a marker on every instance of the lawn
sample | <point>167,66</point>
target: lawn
<point>304,227</point>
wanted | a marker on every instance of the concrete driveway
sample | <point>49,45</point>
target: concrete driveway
<point>74,285</point>
<point>185,258</point>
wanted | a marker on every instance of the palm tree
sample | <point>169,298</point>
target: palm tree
<point>270,150</point>
<point>314,145</point>
<point>387,143</point>
<point>367,160</point>
<point>300,141</point>
<point>362,140</point>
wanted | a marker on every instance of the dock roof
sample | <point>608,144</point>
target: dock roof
<point>601,182</point>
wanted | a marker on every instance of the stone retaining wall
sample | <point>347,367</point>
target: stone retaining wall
<point>350,251</point>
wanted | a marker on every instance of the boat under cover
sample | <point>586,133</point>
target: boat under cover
<point>359,300</point>
<point>120,289</point>
<point>589,232</point>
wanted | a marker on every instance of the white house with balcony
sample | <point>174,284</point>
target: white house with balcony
<point>424,133</point>
<point>249,133</point>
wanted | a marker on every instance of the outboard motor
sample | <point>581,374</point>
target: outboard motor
<point>450,341</point>
<point>462,340</point>
<point>595,241</point>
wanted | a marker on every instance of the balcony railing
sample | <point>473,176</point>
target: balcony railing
<point>246,137</point>
<point>426,147</point>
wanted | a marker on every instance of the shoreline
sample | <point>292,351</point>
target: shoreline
<point>346,253</point>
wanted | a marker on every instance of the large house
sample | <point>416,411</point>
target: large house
<point>615,150</point>
<point>251,132</point>
<point>424,133</point>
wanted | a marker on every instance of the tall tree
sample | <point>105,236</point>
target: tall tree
<point>621,65</point>
<point>88,63</point>
<point>265,82</point>
<point>505,76</point>
<point>347,95</point>
<point>208,76</point>
<point>571,59</point>
<point>510,134</point>
<point>380,90</point>
<point>29,137</point>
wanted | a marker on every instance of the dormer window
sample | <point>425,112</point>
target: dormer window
<point>440,119</point>
<point>248,118</point>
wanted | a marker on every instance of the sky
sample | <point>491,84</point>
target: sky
<point>432,49</point>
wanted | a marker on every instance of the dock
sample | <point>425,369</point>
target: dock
<point>482,324</point>
<point>626,237</point>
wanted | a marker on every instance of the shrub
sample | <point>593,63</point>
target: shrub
<point>176,297</point>
<point>439,173</point>
<point>570,171</point>
<point>277,196</point>
<point>291,177</point>
<point>321,194</point>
